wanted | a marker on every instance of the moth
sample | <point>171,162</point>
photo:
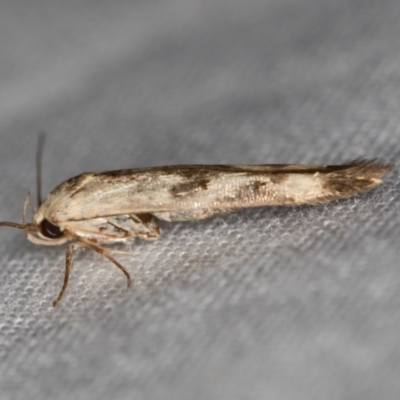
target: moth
<point>96,209</point>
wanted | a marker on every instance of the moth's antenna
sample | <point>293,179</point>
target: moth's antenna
<point>25,227</point>
<point>39,157</point>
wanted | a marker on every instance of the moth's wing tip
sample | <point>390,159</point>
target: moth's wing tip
<point>355,176</point>
<point>373,165</point>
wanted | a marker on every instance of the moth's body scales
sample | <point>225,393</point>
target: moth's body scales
<point>117,206</point>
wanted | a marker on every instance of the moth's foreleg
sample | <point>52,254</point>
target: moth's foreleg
<point>69,263</point>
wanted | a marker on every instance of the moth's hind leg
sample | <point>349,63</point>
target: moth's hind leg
<point>145,226</point>
<point>137,225</point>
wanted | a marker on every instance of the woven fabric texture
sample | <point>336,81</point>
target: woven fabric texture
<point>271,303</point>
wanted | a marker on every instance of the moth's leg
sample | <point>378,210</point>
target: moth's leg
<point>136,225</point>
<point>153,231</point>
<point>69,263</point>
<point>101,250</point>
<point>105,253</point>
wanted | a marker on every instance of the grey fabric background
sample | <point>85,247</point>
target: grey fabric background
<point>278,303</point>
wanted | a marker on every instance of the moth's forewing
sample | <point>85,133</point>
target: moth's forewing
<point>206,190</point>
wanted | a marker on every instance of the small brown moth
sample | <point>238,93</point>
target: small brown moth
<point>94,209</point>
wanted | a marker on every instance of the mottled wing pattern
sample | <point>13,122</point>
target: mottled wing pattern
<point>198,191</point>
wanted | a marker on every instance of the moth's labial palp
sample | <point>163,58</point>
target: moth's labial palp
<point>49,230</point>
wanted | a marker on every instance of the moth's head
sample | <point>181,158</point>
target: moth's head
<point>41,230</point>
<point>45,232</point>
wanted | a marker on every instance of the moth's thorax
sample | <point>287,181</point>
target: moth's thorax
<point>64,202</point>
<point>45,212</point>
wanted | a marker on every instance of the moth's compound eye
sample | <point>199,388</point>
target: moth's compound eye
<point>49,230</point>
